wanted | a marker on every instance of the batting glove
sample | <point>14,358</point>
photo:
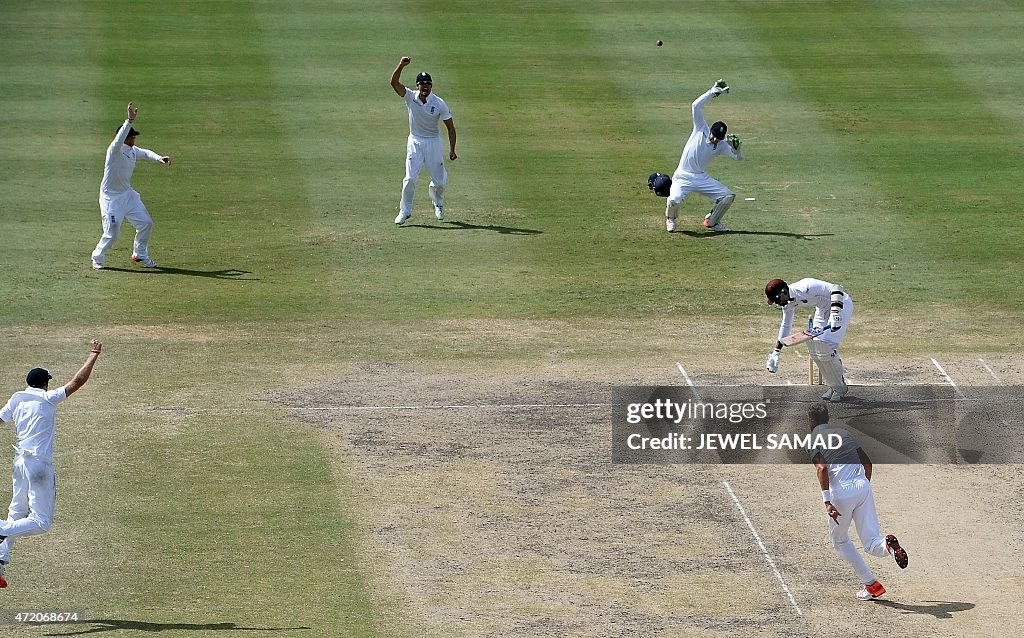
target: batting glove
<point>835,321</point>
<point>734,141</point>
<point>772,364</point>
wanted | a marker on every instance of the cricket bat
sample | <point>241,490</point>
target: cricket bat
<point>800,337</point>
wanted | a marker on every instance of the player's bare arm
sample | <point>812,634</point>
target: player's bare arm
<point>450,125</point>
<point>865,461</point>
<point>821,469</point>
<point>77,381</point>
<point>396,84</point>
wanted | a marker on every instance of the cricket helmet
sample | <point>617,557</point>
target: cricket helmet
<point>774,289</point>
<point>660,183</point>
<point>718,130</point>
<point>423,78</point>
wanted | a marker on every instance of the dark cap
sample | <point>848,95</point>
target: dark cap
<point>423,78</point>
<point>132,132</point>
<point>718,130</point>
<point>38,377</point>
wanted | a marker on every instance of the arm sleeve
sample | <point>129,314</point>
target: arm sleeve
<point>787,321</point>
<point>122,133</point>
<point>148,154</point>
<point>698,109</point>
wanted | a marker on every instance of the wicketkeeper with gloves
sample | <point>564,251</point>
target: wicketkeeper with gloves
<point>833,309</point>
<point>704,143</point>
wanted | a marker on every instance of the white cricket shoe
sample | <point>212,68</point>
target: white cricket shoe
<point>96,265</point>
<point>670,224</point>
<point>718,228</point>
<point>838,396</point>
<point>439,212</point>
<point>828,394</point>
<point>402,218</point>
<point>145,262</point>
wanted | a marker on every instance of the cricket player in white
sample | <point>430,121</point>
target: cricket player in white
<point>704,144</point>
<point>833,309</point>
<point>119,201</point>
<point>34,414</point>
<point>424,146</point>
<point>844,476</point>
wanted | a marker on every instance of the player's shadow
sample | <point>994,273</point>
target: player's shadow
<point>766,233</point>
<point>940,609</point>
<point>452,225</point>
<point>100,626</point>
<point>226,273</point>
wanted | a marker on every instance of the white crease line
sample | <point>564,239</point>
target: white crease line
<point>682,370</point>
<point>985,365</point>
<point>475,406</point>
<point>949,379</point>
<point>764,550</point>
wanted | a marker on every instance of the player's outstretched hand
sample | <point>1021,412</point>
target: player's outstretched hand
<point>132,111</point>
<point>95,347</point>
<point>165,160</point>
<point>772,364</point>
<point>734,141</point>
<point>404,61</point>
<point>720,87</point>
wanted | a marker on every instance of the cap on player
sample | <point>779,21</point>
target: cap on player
<point>38,377</point>
<point>423,78</point>
<point>774,288</point>
<point>718,130</point>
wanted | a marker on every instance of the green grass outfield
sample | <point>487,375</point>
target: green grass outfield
<point>883,150</point>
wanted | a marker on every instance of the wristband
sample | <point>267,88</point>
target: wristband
<point>826,496</point>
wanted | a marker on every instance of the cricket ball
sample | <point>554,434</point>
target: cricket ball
<point>659,43</point>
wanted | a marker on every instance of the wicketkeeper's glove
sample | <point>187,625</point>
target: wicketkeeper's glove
<point>734,141</point>
<point>720,87</point>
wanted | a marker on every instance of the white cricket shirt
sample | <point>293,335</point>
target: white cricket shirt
<point>425,117</point>
<point>120,164</point>
<point>698,152</point>
<point>34,414</point>
<point>844,466</point>
<point>807,293</point>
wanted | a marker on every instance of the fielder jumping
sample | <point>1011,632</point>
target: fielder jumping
<point>844,476</point>
<point>33,411</point>
<point>833,309</point>
<point>704,143</point>
<point>424,145</point>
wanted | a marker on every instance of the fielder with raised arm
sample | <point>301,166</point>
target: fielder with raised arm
<point>844,476</point>
<point>424,146</point>
<point>119,201</point>
<point>33,411</point>
<point>704,143</point>
<point>833,309</point>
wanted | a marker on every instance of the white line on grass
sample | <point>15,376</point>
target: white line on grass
<point>764,550</point>
<point>949,379</point>
<point>985,365</point>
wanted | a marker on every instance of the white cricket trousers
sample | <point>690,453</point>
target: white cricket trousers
<point>113,212</point>
<point>856,504</point>
<point>33,501</point>
<point>685,183</point>
<point>422,151</point>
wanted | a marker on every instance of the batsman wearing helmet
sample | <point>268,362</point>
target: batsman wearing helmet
<point>424,146</point>
<point>833,309</point>
<point>704,143</point>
